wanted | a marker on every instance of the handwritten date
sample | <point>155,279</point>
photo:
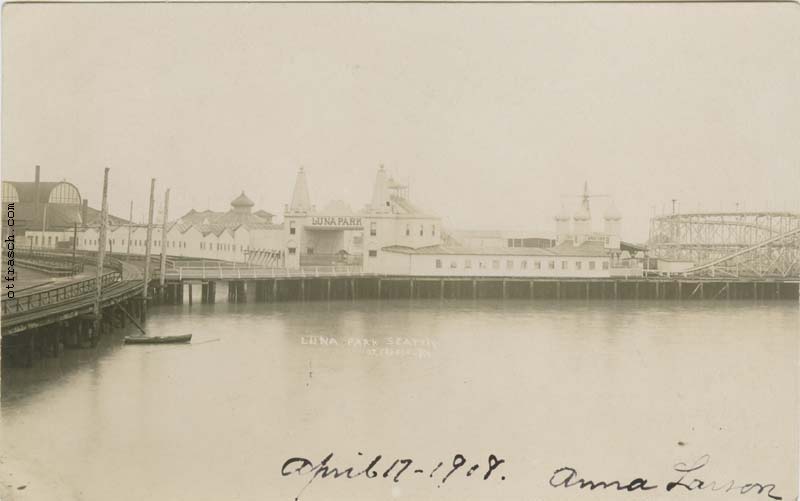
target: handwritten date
<point>394,470</point>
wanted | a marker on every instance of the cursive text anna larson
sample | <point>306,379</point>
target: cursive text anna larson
<point>687,478</point>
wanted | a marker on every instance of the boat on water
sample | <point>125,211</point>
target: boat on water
<point>183,338</point>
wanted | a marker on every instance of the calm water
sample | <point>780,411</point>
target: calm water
<point>616,390</point>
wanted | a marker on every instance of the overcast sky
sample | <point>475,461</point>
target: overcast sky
<point>492,111</point>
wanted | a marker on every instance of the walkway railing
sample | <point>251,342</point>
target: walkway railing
<point>32,300</point>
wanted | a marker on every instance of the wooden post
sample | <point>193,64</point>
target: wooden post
<point>777,290</point>
<point>410,288</point>
<point>130,227</point>
<point>328,289</point>
<point>302,289</point>
<point>616,295</point>
<point>74,245</point>
<point>163,270</point>
<point>680,290</point>
<point>441,288</point>
<point>702,291</point>
<point>101,253</point>
<point>505,292</point>
<point>587,289</point>
<point>474,289</point>
<point>558,290</point>
<point>379,288</point>
<point>274,289</point>
<point>636,289</point>
<point>755,290</point>
<point>149,238</point>
<point>530,289</point>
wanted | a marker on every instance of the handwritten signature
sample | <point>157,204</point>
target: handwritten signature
<point>688,480</point>
<point>395,471</point>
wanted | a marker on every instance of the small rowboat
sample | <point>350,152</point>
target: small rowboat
<point>184,338</point>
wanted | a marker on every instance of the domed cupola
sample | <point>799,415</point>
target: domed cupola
<point>242,203</point>
<point>582,214</point>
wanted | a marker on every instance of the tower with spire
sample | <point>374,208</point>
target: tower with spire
<point>294,220</point>
<point>301,202</point>
<point>381,202</point>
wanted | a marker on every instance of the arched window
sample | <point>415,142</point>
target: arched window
<point>64,193</point>
<point>10,194</point>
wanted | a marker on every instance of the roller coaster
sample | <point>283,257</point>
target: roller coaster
<point>730,244</point>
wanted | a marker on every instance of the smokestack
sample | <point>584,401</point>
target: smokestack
<point>36,185</point>
<point>85,210</point>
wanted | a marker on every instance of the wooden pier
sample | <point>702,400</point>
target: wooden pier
<point>293,288</point>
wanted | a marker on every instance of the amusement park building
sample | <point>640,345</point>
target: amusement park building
<point>390,235</point>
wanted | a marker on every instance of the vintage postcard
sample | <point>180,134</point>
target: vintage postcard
<point>445,251</point>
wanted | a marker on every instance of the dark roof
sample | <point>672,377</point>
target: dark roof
<point>630,247</point>
<point>30,215</point>
<point>93,218</point>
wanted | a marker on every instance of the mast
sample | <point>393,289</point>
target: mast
<point>101,255</point>
<point>162,276</point>
<point>149,237</point>
<point>130,226</point>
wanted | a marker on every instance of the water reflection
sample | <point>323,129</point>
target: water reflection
<point>545,383</point>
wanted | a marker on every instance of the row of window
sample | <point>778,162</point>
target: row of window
<point>421,230</point>
<point>138,243</point>
<point>224,247</point>
<point>50,240</point>
<point>220,247</point>
<point>523,265</point>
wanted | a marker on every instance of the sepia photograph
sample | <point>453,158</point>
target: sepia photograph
<point>379,250</point>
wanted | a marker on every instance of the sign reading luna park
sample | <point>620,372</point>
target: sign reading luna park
<point>336,222</point>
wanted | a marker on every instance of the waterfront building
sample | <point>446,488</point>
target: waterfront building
<point>391,220</point>
<point>319,237</point>
<point>390,236</point>
<point>50,209</point>
<point>237,235</point>
<point>588,260</point>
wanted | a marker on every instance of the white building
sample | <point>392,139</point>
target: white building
<point>589,260</point>
<point>389,236</point>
